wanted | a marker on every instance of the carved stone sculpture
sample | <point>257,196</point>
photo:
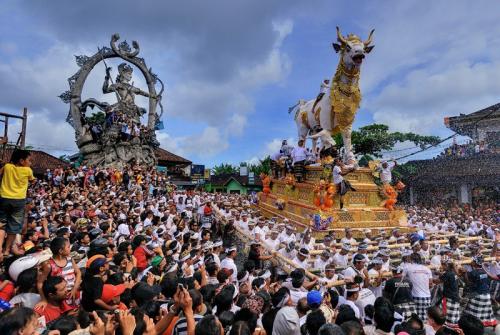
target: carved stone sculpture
<point>113,135</point>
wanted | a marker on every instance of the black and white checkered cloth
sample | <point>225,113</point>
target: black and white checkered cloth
<point>422,304</point>
<point>495,290</point>
<point>406,309</point>
<point>480,307</point>
<point>452,309</point>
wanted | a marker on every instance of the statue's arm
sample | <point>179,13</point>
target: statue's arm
<point>106,88</point>
<point>138,91</point>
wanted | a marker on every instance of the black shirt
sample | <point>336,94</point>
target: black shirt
<point>91,291</point>
<point>254,255</point>
<point>398,291</point>
<point>450,286</point>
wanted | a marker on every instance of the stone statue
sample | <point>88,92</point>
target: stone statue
<point>114,136</point>
<point>125,92</point>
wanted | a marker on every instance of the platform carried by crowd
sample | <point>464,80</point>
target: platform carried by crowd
<point>102,251</point>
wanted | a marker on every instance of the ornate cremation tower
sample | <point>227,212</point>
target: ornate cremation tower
<point>114,136</point>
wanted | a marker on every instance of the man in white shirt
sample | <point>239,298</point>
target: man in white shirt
<point>368,236</point>
<point>243,223</point>
<point>348,239</point>
<point>299,156</point>
<point>288,236</point>
<point>323,89</point>
<point>302,259</point>
<point>341,258</point>
<point>228,262</point>
<point>385,170</point>
<point>376,280</point>
<point>357,269</point>
<point>259,232</point>
<point>421,278</point>
<point>322,260</point>
<point>273,242</point>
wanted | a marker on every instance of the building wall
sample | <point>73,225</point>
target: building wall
<point>235,187</point>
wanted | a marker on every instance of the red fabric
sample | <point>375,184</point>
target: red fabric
<point>8,291</point>
<point>142,259</point>
<point>52,312</point>
<point>207,210</point>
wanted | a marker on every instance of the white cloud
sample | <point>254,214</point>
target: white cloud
<point>207,144</point>
<point>424,98</point>
<point>236,125</point>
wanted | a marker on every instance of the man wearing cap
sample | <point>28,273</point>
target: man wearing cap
<point>228,262</point>
<point>259,232</point>
<point>288,236</point>
<point>362,250</point>
<point>368,236</point>
<point>341,257</point>
<point>273,242</point>
<point>348,237</point>
<point>395,235</point>
<point>376,279</point>
<point>322,260</point>
<point>302,259</point>
<point>358,269</point>
<point>243,222</point>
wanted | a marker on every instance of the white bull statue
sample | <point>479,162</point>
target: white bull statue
<point>335,112</point>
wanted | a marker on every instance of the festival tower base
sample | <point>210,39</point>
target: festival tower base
<point>363,208</point>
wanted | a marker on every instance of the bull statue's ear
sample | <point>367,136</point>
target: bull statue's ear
<point>336,47</point>
<point>369,48</point>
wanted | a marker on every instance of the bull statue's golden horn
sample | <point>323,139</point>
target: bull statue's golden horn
<point>369,40</point>
<point>340,38</point>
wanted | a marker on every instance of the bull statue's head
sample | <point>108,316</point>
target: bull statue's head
<point>352,49</point>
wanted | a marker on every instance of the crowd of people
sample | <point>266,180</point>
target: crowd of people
<point>467,150</point>
<point>101,251</point>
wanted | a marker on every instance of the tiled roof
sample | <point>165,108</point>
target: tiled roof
<point>164,156</point>
<point>41,161</point>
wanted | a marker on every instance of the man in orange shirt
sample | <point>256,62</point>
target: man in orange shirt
<point>54,290</point>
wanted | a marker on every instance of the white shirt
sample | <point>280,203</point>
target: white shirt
<point>260,232</point>
<point>340,260</point>
<point>285,238</point>
<point>272,244</point>
<point>346,240</point>
<point>228,263</point>
<point>386,174</point>
<point>320,264</point>
<point>419,275</point>
<point>337,177</point>
<point>299,154</point>
<point>301,264</point>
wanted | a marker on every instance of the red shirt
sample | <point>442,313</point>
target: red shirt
<point>142,258</point>
<point>7,292</point>
<point>52,312</point>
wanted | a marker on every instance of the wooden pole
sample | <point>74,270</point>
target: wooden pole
<point>23,127</point>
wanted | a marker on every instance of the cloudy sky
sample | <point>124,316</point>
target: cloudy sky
<point>233,67</point>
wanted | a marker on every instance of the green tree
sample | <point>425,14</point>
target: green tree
<point>264,166</point>
<point>64,158</point>
<point>374,139</point>
<point>96,118</point>
<point>224,168</point>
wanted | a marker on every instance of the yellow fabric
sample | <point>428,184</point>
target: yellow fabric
<point>15,181</point>
<point>344,98</point>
